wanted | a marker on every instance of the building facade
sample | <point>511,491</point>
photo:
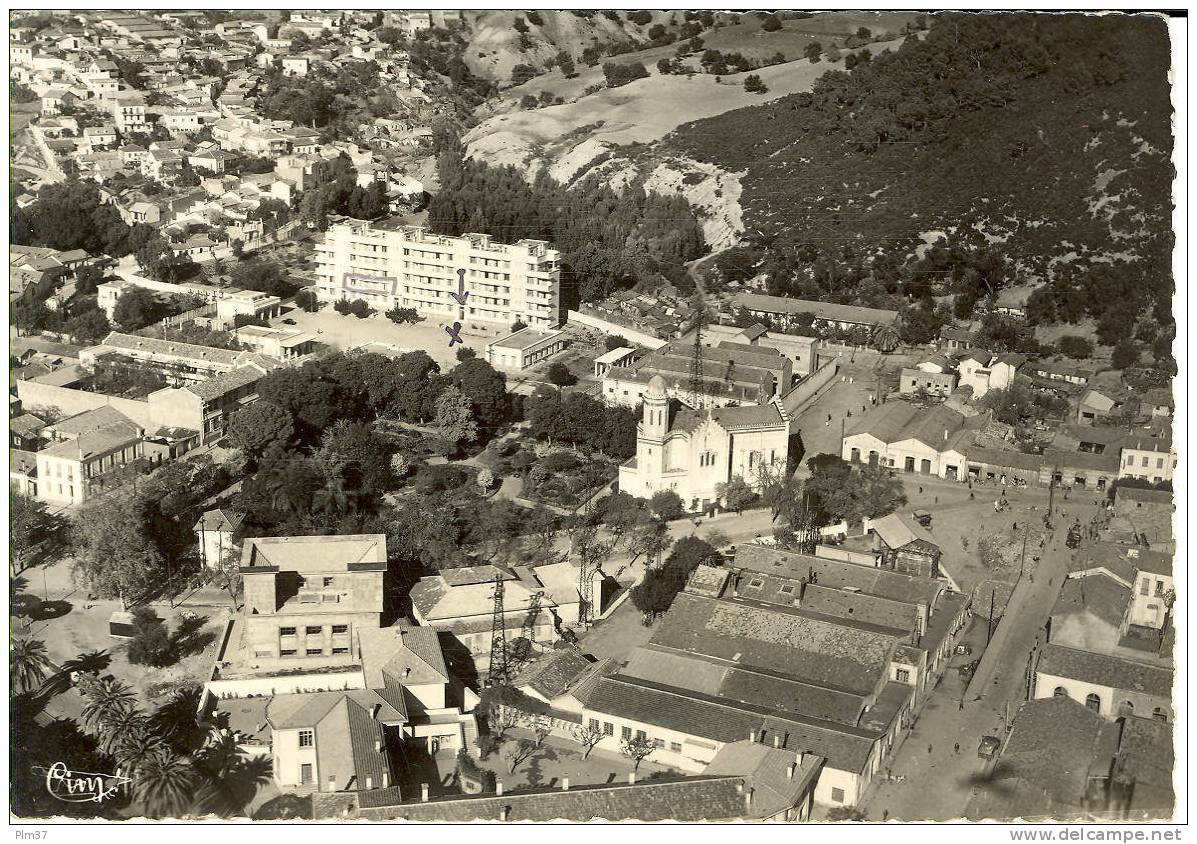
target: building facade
<point>409,267</point>
<point>692,452</point>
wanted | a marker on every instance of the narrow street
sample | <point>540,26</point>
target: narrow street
<point>956,715</point>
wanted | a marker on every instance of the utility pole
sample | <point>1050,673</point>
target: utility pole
<point>989,622</point>
<point>497,672</point>
<point>1023,559</point>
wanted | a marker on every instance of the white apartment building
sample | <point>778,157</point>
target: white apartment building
<point>409,267</point>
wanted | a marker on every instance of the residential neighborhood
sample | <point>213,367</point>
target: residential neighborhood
<point>564,415</point>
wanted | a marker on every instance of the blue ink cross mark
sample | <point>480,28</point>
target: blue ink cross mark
<point>454,333</point>
<point>461,294</point>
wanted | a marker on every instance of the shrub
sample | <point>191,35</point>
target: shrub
<point>560,461</point>
<point>150,645</point>
<point>1074,346</point>
<point>560,375</point>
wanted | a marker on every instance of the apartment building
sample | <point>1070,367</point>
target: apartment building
<point>409,267</point>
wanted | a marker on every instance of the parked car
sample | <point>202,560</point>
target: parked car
<point>922,517</point>
<point>288,322</point>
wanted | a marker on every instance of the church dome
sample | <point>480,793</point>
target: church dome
<point>656,388</point>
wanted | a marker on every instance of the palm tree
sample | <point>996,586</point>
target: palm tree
<point>123,725</point>
<point>137,749</point>
<point>885,338</point>
<point>230,780</point>
<point>104,698</point>
<point>28,662</point>
<point>164,784</point>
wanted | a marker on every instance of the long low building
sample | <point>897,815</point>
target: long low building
<point>784,311</point>
<point>1109,685</point>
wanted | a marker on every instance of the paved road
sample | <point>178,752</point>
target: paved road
<point>939,780</point>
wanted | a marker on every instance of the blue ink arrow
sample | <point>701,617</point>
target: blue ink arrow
<point>454,336</point>
<point>461,294</point>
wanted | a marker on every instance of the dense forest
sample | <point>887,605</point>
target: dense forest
<point>1037,146</point>
<point>608,240</point>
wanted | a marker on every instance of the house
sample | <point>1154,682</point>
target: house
<point>905,545</point>
<point>984,371</point>
<point>1056,374</point>
<point>85,451</point>
<point>1111,686</point>
<point>283,343</point>
<point>539,603</point>
<point>732,374</point>
<point>1131,501</point>
<point>1148,456</point>
<point>1063,761</point>
<point>913,381</point>
<point>523,349</point>
<point>296,65</point>
<point>1095,406</point>
<point>783,311</point>
<point>718,672</point>
<point>692,452</point>
<point>24,431</point>
<point>180,363</point>
<point>1157,402</point>
<point>22,472</point>
<point>931,441</point>
<point>214,535</point>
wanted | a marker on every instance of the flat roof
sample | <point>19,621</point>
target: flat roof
<point>525,338</point>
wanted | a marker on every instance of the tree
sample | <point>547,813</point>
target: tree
<point>485,479</point>
<point>29,525</point>
<point>1125,354</point>
<point>566,62</point>
<point>150,644</point>
<point>257,427</point>
<point>342,306</point>
<point>559,374</point>
<point>454,416</point>
<point>89,327</point>
<point>1074,346</point>
<point>885,338</point>
<point>621,74</point>
<point>637,748</point>
<point>754,85</point>
<point>103,700</point>
<point>771,23</point>
<point>737,493</point>
<point>28,663</point>
<point>521,73</point>
<point>876,492</point>
<point>360,308</point>
<point>649,539</point>
<point>615,341</point>
<point>667,505</point>
<point>518,752</point>
<point>864,33</point>
<point>113,556</point>
<point>399,315</point>
<point>135,308</point>
<point>780,490</point>
<point>165,784</point>
<point>846,813</point>
<point>306,300</point>
<point>813,51</point>
<point>588,737</point>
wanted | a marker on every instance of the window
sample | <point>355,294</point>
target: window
<point>608,728</point>
<point>1144,586</point>
<point>315,651</point>
<point>328,581</point>
<point>594,724</point>
<point>313,631</point>
<point>657,742</point>
<point>1060,692</point>
<point>903,675</point>
<point>1093,701</point>
<point>1144,462</point>
<point>837,795</point>
<point>675,746</point>
<point>786,590</point>
<point>290,631</point>
<point>1159,463</point>
<point>1159,714</point>
<point>625,733</point>
<point>307,738</point>
<point>1126,708</point>
<point>305,774</point>
<point>340,628</point>
<point>756,583</point>
<point>1159,588</point>
<point>641,735</point>
<point>339,651</point>
<point>287,652</point>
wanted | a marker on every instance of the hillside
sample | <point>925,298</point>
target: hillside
<point>1045,140</point>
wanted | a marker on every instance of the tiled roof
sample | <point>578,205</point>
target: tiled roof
<point>220,519</point>
<point>689,799</point>
<point>693,713</point>
<point>132,342</point>
<point>1052,744</point>
<point>89,420</point>
<point>1152,496</point>
<point>897,530</point>
<point>26,424</point>
<point>857,606</point>
<point>775,787</point>
<point>554,673</point>
<point>97,441</point>
<point>224,383</point>
<point>408,655</point>
<point>821,310</point>
<point>873,581</point>
<point>22,462</point>
<point>1100,595</point>
<point>795,646</point>
<point>1103,670</point>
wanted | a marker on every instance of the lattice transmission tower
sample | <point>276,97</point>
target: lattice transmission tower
<point>498,671</point>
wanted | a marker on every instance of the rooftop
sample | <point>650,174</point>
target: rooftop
<point>315,553</point>
<point>1102,670</point>
<point>822,310</point>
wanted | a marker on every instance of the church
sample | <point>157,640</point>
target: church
<point>693,451</point>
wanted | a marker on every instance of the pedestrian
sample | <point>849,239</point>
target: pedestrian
<point>920,490</point>
<point>961,704</point>
<point>971,496</point>
<point>885,815</point>
<point>928,750</point>
<point>957,748</point>
<point>937,499</point>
